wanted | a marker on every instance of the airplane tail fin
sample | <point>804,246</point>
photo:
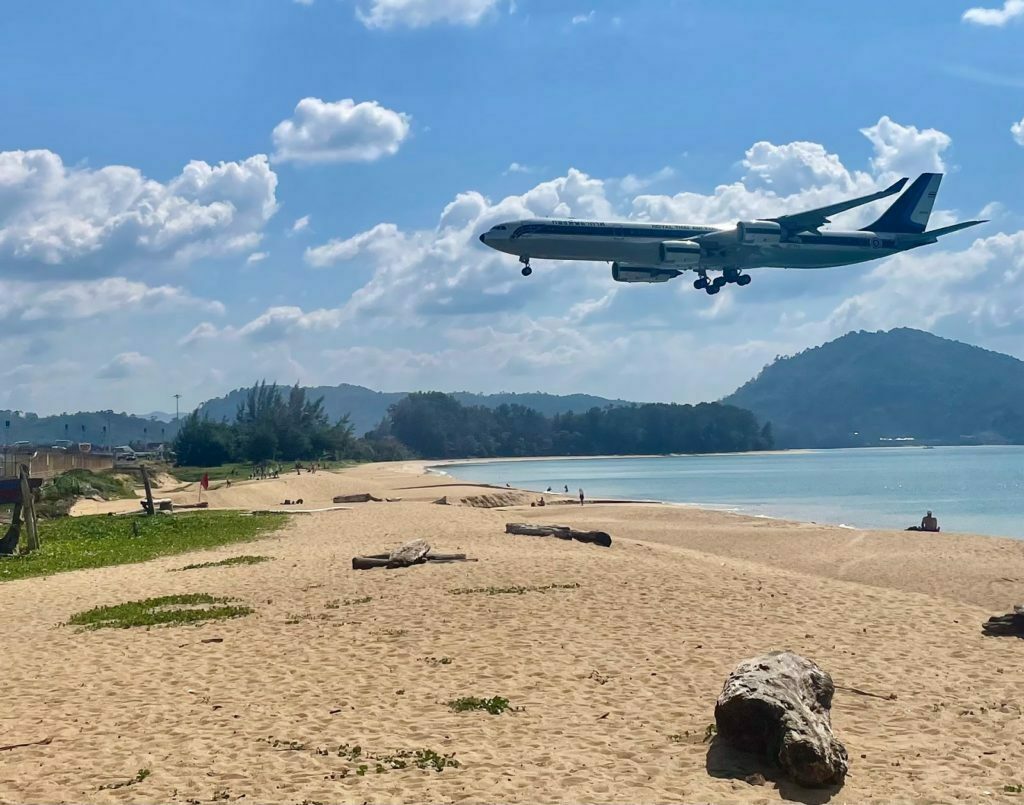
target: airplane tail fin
<point>910,212</point>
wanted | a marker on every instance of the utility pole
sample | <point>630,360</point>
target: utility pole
<point>176,398</point>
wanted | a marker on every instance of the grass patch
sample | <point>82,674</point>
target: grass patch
<point>73,543</point>
<point>336,604</point>
<point>402,759</point>
<point>513,590</point>
<point>240,471</point>
<point>140,775</point>
<point>496,705</point>
<point>234,560</point>
<point>162,611</point>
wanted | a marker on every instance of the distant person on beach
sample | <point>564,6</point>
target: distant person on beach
<point>581,497</point>
<point>567,489</point>
<point>928,523</point>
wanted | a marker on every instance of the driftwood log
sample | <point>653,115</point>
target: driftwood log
<point>416,552</point>
<point>1011,625</point>
<point>363,497</point>
<point>559,532</point>
<point>778,706</point>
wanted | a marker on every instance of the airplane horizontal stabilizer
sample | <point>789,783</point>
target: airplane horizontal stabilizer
<point>948,230</point>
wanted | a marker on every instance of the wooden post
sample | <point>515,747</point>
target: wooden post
<point>149,490</point>
<point>29,510</point>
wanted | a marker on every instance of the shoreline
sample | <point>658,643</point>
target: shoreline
<point>443,467</point>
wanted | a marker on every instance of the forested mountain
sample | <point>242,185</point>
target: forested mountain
<point>366,408</point>
<point>864,389</point>
<point>98,427</point>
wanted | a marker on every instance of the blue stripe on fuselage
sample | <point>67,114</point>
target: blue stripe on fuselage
<point>610,231</point>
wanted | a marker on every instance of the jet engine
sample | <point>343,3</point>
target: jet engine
<point>627,273</point>
<point>682,253</point>
<point>758,233</point>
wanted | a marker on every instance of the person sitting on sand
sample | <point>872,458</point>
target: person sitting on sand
<point>928,523</point>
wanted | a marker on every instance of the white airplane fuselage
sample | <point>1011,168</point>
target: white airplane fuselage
<point>642,244</point>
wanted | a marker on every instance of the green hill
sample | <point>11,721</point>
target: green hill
<point>366,408</point>
<point>865,389</point>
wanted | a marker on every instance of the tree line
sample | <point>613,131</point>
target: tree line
<point>270,425</point>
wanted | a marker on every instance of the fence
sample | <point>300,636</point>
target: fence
<point>43,463</point>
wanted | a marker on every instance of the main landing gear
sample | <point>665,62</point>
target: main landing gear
<point>527,271</point>
<point>711,287</point>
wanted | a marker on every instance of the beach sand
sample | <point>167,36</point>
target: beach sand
<point>617,678</point>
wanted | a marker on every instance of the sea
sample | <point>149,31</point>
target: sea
<point>978,490</point>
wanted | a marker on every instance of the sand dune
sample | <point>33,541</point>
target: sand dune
<point>617,678</point>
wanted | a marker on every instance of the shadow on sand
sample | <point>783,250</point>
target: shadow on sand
<point>725,762</point>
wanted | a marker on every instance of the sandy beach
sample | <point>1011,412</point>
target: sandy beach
<point>616,678</point>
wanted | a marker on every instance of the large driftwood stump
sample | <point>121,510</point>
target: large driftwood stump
<point>1011,625</point>
<point>411,553</point>
<point>560,532</point>
<point>778,706</point>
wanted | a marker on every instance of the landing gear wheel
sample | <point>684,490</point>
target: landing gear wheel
<point>527,271</point>
<point>701,283</point>
<point>719,283</point>
<point>731,275</point>
<point>711,290</point>
<point>743,279</point>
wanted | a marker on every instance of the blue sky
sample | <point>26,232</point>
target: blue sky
<point>195,195</point>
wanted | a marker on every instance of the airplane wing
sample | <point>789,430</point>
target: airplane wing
<point>812,219</point>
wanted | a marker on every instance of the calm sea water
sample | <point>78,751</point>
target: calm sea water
<point>971,489</point>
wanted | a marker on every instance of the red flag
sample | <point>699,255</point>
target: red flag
<point>205,483</point>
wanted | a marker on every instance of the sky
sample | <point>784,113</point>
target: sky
<point>197,195</point>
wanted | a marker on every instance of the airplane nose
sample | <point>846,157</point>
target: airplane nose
<point>483,238</point>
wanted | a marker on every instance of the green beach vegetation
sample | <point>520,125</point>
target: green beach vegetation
<point>165,610</point>
<point>73,543</point>
<point>58,495</point>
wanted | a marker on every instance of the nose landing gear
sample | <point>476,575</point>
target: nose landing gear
<point>527,271</point>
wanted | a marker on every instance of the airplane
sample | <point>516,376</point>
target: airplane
<point>643,252</point>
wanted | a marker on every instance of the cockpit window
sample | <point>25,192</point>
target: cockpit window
<point>499,228</point>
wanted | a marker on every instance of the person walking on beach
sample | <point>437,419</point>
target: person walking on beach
<point>581,496</point>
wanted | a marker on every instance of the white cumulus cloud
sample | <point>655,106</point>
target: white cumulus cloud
<point>997,17</point>
<point>300,225</point>
<point>906,150</point>
<point>339,131</point>
<point>583,19</point>
<point>1017,130</point>
<point>256,257</point>
<point>421,13</point>
<point>83,221</point>
<point>124,365</point>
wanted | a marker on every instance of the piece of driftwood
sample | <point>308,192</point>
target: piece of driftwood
<point>364,497</point>
<point>147,504</point>
<point>778,706</point>
<point>28,511</point>
<point>601,538</point>
<point>441,501</point>
<point>416,552</point>
<point>1011,625</point>
<point>43,742</point>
